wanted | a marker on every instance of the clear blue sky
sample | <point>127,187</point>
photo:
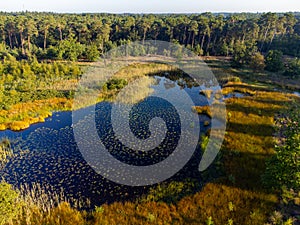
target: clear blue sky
<point>151,6</point>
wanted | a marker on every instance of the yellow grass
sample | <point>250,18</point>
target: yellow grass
<point>22,115</point>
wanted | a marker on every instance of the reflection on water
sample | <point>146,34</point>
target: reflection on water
<point>53,160</point>
<point>235,95</point>
<point>297,93</point>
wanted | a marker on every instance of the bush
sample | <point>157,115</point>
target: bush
<point>116,84</point>
<point>52,53</point>
<point>283,169</point>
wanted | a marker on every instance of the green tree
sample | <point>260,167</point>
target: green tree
<point>268,26</point>
<point>293,68</point>
<point>60,25</point>
<point>20,24</point>
<point>70,49</point>
<point>283,169</point>
<point>257,62</point>
<point>274,61</point>
<point>45,25</point>
<point>10,28</point>
<point>2,28</point>
<point>92,53</point>
<point>145,24</point>
<point>31,30</point>
<point>193,31</point>
<point>239,54</point>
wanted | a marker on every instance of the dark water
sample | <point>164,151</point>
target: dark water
<point>235,95</point>
<point>50,156</point>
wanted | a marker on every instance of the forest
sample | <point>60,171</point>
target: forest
<point>256,177</point>
<point>86,36</point>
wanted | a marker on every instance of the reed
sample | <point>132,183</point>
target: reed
<point>6,152</point>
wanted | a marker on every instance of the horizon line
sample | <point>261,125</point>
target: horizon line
<point>137,13</point>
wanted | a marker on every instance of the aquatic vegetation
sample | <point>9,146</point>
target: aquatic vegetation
<point>138,90</point>
<point>6,152</point>
<point>239,88</point>
<point>214,110</point>
<point>34,206</point>
<point>203,110</point>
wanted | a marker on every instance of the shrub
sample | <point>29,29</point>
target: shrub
<point>116,84</point>
<point>283,169</point>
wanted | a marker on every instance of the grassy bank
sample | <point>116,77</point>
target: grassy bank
<point>22,115</point>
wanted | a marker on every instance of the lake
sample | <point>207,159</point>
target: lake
<point>47,153</point>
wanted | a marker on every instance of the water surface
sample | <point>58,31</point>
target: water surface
<point>50,156</point>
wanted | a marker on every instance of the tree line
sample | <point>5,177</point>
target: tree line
<point>87,36</point>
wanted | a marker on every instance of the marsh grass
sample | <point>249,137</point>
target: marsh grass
<point>215,110</point>
<point>136,91</point>
<point>34,205</point>
<point>136,74</point>
<point>6,152</point>
<point>22,115</point>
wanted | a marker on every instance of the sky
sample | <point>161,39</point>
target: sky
<point>150,6</point>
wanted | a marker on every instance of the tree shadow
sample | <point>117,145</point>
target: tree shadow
<point>251,129</point>
<point>243,170</point>
<point>238,107</point>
